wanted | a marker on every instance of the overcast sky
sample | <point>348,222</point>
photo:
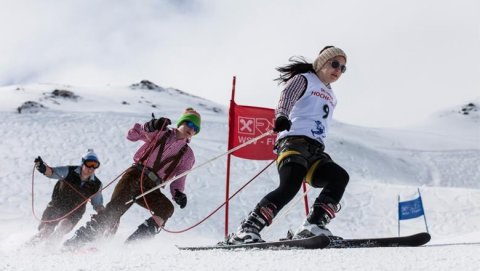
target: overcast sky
<point>406,59</point>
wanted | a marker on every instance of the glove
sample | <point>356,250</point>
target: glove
<point>282,123</point>
<point>40,165</point>
<point>180,198</point>
<point>157,124</point>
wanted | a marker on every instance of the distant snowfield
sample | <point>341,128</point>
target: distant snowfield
<point>440,157</point>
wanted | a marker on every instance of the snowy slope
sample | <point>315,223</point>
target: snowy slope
<point>440,156</point>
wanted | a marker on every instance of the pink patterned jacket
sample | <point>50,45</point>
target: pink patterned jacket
<point>172,147</point>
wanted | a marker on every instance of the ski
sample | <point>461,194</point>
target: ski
<point>403,241</point>
<point>315,242</point>
<point>324,242</point>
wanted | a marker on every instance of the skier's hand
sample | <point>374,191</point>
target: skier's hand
<point>157,124</point>
<point>282,123</point>
<point>40,165</point>
<point>180,198</point>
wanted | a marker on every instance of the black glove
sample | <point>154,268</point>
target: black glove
<point>157,124</point>
<point>180,198</point>
<point>40,165</point>
<point>282,123</point>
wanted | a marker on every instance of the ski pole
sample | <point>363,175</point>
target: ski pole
<point>201,165</point>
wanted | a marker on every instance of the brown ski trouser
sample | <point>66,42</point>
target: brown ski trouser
<point>129,187</point>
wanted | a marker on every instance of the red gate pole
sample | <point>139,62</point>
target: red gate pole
<point>230,143</point>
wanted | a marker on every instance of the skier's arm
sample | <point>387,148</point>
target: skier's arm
<point>139,133</point>
<point>291,93</point>
<point>48,171</point>
<point>56,172</point>
<point>97,200</point>
<point>146,132</point>
<point>188,160</point>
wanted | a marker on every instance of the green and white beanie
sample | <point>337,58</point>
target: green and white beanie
<point>191,115</point>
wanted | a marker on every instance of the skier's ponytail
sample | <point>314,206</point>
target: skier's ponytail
<point>298,65</point>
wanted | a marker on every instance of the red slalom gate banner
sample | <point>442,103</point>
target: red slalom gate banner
<point>247,122</point>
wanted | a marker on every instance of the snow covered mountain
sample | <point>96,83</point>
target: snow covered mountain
<point>59,122</point>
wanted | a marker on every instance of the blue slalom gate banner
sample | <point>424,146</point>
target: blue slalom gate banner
<point>410,209</point>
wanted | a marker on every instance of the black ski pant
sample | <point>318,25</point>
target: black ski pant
<point>302,158</point>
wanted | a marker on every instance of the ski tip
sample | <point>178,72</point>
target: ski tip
<point>423,238</point>
<point>416,240</point>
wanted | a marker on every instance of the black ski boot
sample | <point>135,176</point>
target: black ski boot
<point>148,229</point>
<point>315,224</point>
<point>249,229</point>
<point>84,234</point>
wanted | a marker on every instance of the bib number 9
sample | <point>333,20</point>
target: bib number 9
<point>326,109</point>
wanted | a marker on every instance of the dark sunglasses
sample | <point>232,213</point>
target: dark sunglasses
<point>335,64</point>
<point>192,125</point>
<point>91,164</point>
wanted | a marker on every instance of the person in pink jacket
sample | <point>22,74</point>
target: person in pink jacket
<point>164,154</point>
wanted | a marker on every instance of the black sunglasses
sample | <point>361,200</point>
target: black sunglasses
<point>335,64</point>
